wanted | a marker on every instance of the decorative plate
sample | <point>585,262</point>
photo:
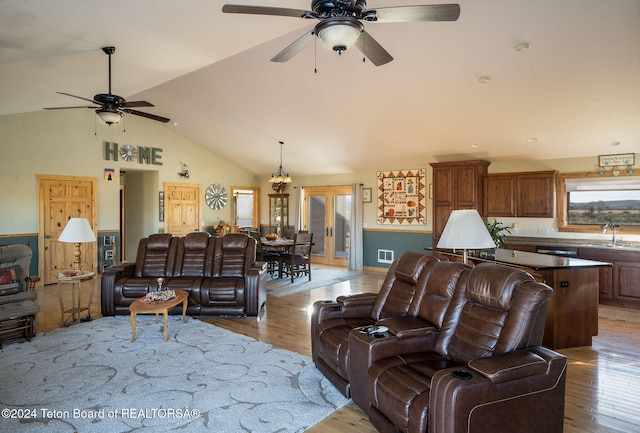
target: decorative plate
<point>216,196</point>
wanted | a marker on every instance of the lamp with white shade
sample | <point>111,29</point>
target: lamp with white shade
<point>77,231</point>
<point>465,230</point>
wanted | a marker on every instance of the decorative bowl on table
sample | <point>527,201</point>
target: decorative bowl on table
<point>160,296</point>
<point>271,236</point>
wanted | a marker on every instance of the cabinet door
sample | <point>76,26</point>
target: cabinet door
<point>536,194</point>
<point>626,276</point>
<point>499,195</point>
<point>443,185</point>
<point>605,274</point>
<point>466,188</point>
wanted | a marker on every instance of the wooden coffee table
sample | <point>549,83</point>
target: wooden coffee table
<point>142,307</point>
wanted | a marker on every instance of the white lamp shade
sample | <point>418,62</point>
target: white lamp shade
<point>109,116</point>
<point>77,230</point>
<point>465,230</point>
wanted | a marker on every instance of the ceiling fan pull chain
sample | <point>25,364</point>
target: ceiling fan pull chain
<point>315,55</point>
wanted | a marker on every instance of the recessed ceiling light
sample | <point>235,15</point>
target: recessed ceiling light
<point>484,79</point>
<point>522,46</point>
<point>474,145</point>
<point>532,140</point>
<point>614,143</point>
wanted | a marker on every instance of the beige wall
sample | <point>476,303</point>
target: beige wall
<point>71,142</point>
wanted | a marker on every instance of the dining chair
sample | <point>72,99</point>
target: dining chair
<point>272,258</point>
<point>297,261</point>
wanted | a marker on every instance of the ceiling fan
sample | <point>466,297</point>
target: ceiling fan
<point>341,26</point>
<point>112,107</point>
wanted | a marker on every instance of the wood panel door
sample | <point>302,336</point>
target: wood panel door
<point>61,198</point>
<point>183,211</point>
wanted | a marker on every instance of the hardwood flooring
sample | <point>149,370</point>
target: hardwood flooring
<point>603,382</point>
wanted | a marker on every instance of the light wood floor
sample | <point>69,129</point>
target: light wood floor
<point>603,384</point>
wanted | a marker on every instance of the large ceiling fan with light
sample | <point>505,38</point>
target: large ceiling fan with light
<point>341,26</point>
<point>110,108</point>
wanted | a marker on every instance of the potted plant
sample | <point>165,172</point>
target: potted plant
<point>498,232</point>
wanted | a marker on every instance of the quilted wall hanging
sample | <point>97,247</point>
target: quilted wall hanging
<point>401,197</point>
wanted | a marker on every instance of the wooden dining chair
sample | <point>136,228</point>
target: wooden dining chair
<point>297,261</point>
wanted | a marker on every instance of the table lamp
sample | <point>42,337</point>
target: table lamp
<point>77,231</point>
<point>465,230</point>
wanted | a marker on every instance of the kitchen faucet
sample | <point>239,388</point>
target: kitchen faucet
<point>605,230</point>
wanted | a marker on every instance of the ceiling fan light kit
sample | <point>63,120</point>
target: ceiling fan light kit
<point>339,33</point>
<point>341,26</point>
<point>109,116</point>
<point>111,108</point>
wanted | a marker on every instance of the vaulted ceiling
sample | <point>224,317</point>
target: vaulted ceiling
<point>575,92</point>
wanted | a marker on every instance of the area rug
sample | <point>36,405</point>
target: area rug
<point>91,378</point>
<point>320,277</point>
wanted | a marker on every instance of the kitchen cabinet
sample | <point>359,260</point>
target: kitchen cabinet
<point>456,185</point>
<point>278,213</point>
<point>619,285</point>
<point>572,312</point>
<point>525,194</point>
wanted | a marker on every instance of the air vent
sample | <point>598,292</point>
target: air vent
<point>385,256</point>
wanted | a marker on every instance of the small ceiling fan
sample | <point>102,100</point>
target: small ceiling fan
<point>110,108</point>
<point>341,26</point>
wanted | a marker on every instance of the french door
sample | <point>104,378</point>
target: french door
<point>327,214</point>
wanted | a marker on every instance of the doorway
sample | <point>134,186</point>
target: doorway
<point>327,214</point>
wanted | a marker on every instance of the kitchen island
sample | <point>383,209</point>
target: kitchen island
<point>572,313</point>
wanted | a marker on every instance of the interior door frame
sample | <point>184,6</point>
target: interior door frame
<point>330,192</point>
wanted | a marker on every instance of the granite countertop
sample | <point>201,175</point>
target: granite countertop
<point>540,261</point>
<point>585,243</point>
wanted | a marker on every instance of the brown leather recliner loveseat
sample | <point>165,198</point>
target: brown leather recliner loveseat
<point>220,273</point>
<point>465,358</point>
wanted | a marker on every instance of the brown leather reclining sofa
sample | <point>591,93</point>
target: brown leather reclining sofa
<point>220,273</point>
<point>460,351</point>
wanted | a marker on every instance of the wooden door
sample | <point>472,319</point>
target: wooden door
<point>61,198</point>
<point>500,195</point>
<point>327,214</point>
<point>183,211</point>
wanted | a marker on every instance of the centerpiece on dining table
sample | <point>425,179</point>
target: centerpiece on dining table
<point>271,236</point>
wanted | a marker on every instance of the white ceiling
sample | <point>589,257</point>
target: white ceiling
<point>576,90</point>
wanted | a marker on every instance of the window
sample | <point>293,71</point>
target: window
<point>245,206</point>
<point>587,201</point>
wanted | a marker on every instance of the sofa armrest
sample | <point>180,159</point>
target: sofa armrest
<point>490,397</point>
<point>509,366</point>
<point>108,283</point>
<point>354,306</point>
<point>255,284</point>
<point>365,350</point>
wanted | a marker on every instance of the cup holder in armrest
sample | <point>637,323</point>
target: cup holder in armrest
<point>461,374</point>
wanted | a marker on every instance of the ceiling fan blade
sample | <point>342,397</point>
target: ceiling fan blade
<point>372,49</point>
<point>442,12</point>
<point>138,104</point>
<point>147,115</point>
<point>266,10</point>
<point>298,45</point>
<point>64,108</point>
<point>79,97</point>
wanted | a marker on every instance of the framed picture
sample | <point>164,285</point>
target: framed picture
<point>109,240</point>
<point>108,254</point>
<point>402,197</point>
<point>366,195</point>
<point>161,206</point>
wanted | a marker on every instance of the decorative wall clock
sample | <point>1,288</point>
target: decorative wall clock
<point>128,152</point>
<point>216,196</point>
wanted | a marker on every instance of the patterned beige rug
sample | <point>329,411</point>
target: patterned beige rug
<point>91,378</point>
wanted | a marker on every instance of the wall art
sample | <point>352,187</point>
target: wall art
<point>401,197</point>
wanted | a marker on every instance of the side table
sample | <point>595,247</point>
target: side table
<point>76,308</point>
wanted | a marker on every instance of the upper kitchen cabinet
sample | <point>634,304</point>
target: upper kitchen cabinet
<point>526,194</point>
<point>456,185</point>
